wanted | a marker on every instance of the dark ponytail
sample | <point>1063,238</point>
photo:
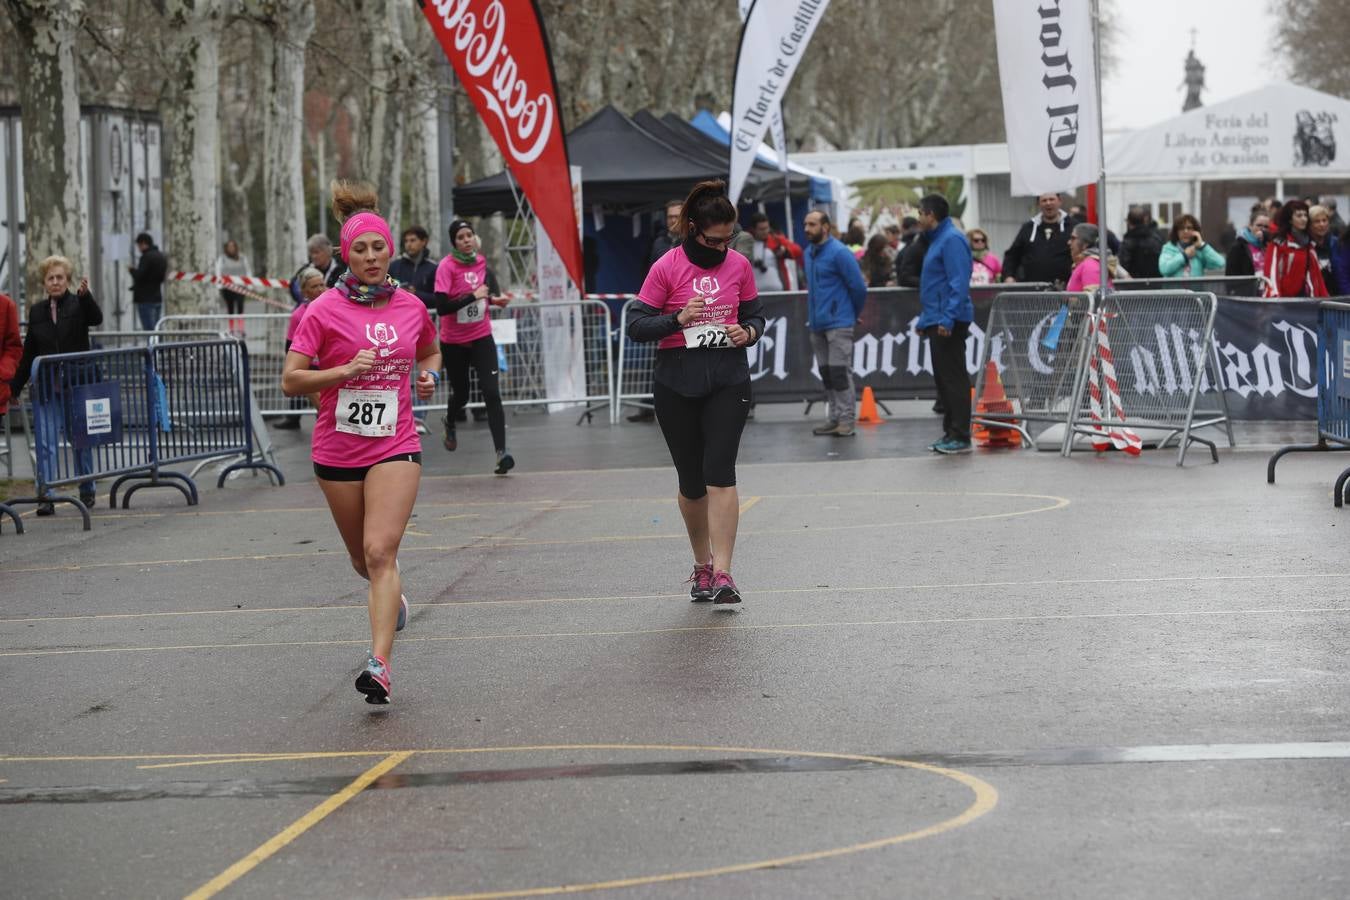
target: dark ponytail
<point>707,204</point>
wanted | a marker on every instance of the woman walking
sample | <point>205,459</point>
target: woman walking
<point>700,303</point>
<point>232,262</point>
<point>370,341</point>
<point>58,324</point>
<point>463,294</point>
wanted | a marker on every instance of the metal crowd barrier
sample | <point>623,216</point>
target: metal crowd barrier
<point>534,342</point>
<point>128,413</point>
<point>1333,393</point>
<point>205,412</point>
<point>90,416</point>
<point>633,373</point>
<point>264,334</point>
<point>1165,358</point>
<point>1221,285</point>
<point>1039,344</point>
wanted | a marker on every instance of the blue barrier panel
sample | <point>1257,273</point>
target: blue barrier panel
<point>1333,392</point>
<point>92,417</point>
<point>205,405</point>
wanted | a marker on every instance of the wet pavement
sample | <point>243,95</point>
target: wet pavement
<point>999,675</point>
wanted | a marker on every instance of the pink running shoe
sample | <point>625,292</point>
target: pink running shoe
<point>374,681</point>
<point>724,589</point>
<point>702,583</point>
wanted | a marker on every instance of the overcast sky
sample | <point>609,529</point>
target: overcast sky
<point>1232,38</point>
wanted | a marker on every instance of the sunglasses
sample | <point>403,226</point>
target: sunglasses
<point>717,243</point>
<point>978,241</point>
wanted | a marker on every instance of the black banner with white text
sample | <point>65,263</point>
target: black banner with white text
<point>1267,352</point>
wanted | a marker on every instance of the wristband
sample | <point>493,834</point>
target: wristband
<point>435,376</point>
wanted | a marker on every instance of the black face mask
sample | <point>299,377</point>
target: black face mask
<point>703,256</point>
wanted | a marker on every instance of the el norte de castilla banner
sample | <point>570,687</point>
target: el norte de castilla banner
<point>1047,69</point>
<point>773,41</point>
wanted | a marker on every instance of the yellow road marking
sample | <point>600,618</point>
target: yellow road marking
<point>271,757</point>
<point>750,502</point>
<point>295,829</point>
<point>639,632</point>
<point>622,598</point>
<point>985,799</point>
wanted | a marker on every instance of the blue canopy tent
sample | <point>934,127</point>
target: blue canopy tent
<point>821,190</point>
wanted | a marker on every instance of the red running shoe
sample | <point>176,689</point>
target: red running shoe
<point>724,589</point>
<point>702,583</point>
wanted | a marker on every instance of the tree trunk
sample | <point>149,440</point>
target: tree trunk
<point>53,179</point>
<point>380,142</point>
<point>289,24</point>
<point>190,112</point>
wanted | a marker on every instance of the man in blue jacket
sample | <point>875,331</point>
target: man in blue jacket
<point>944,293</point>
<point>835,293</point>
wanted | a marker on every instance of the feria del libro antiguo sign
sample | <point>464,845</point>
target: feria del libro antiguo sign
<point>501,56</point>
<point>1046,67</point>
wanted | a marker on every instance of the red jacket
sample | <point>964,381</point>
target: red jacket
<point>786,270</point>
<point>11,348</point>
<point>1293,271</point>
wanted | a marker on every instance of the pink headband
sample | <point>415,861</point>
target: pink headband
<point>364,223</point>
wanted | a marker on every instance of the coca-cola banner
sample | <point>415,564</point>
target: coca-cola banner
<point>1267,352</point>
<point>501,55</point>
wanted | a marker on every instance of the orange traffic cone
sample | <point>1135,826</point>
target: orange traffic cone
<point>994,400</point>
<point>867,412</point>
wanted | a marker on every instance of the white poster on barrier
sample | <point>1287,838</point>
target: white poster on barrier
<point>773,41</point>
<point>562,332</point>
<point>1046,66</point>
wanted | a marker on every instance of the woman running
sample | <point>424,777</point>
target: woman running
<point>463,294</point>
<point>701,304</point>
<point>370,339</point>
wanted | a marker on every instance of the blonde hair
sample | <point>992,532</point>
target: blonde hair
<point>351,197</point>
<point>52,261</point>
<point>1319,210</point>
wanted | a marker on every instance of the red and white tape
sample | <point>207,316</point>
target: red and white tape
<point>281,283</point>
<point>234,280</point>
<point>1119,436</point>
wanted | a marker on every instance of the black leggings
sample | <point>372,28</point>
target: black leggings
<point>234,303</point>
<point>703,434</point>
<point>482,355</point>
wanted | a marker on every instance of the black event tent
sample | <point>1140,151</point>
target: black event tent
<point>628,168</point>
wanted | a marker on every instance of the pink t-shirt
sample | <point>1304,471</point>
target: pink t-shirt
<point>297,316</point>
<point>1087,272</point>
<point>673,281</point>
<point>332,331</point>
<point>454,279</point>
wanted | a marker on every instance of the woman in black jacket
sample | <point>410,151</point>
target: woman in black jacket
<point>59,323</point>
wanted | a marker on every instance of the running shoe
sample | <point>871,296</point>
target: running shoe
<point>448,440</point>
<point>724,589</point>
<point>402,612</point>
<point>826,429</point>
<point>505,463</point>
<point>951,446</point>
<point>374,681</point>
<point>701,581</point>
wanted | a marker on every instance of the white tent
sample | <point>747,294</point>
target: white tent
<point>1280,133</point>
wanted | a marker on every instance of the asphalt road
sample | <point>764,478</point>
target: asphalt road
<point>1006,675</point>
